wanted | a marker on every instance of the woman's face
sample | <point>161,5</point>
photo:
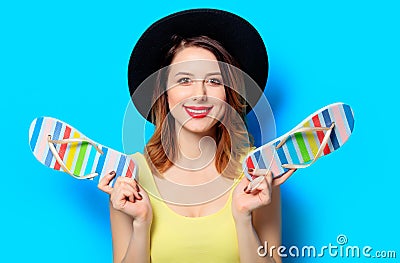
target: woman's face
<point>196,94</point>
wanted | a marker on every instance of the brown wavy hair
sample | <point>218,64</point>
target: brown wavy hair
<point>230,151</point>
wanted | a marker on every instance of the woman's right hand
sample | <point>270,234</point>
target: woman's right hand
<point>128,197</point>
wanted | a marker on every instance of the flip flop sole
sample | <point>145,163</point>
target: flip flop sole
<point>81,158</point>
<point>302,147</point>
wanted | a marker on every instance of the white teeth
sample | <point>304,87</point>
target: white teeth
<point>196,111</point>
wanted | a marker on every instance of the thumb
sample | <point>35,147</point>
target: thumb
<point>243,183</point>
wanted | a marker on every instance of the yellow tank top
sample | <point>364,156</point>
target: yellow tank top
<point>179,239</point>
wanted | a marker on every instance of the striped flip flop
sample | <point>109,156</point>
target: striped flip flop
<point>59,146</point>
<point>320,134</point>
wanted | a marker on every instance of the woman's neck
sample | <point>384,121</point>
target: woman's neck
<point>195,150</point>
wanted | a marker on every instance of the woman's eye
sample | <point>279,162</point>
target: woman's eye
<point>185,81</point>
<point>214,82</point>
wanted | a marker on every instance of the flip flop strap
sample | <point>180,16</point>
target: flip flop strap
<point>320,149</point>
<point>51,142</point>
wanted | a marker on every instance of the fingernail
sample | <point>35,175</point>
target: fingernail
<point>112,173</point>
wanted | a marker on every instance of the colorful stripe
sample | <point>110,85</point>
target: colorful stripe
<point>349,116</point>
<point>339,125</point>
<point>260,161</point>
<point>282,159</point>
<point>320,134</point>
<point>250,163</point>
<point>63,147</point>
<point>268,155</point>
<point>110,162</point>
<point>131,166</point>
<point>72,149</point>
<point>281,155</point>
<point>121,165</point>
<point>102,158</point>
<point>287,154</point>
<point>312,141</point>
<point>292,151</point>
<point>328,123</point>
<point>42,147</point>
<point>55,136</point>
<point>302,147</point>
<point>345,123</point>
<point>35,133</point>
<point>90,161</point>
<point>81,157</point>
<point>275,166</point>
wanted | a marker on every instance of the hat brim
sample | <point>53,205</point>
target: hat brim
<point>235,34</point>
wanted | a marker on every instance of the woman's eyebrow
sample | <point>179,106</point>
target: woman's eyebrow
<point>191,74</point>
<point>213,73</point>
<point>184,73</point>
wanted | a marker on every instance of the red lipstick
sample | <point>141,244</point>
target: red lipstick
<point>197,111</point>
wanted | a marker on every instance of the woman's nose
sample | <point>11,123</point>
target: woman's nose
<point>200,91</point>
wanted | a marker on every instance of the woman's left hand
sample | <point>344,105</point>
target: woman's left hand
<point>249,196</point>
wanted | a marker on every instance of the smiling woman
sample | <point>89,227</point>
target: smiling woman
<point>191,202</point>
<point>190,89</point>
<point>191,97</point>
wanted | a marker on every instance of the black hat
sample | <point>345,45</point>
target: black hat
<point>235,34</point>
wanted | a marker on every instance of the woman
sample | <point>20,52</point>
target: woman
<point>192,204</point>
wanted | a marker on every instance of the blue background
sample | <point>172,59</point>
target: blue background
<point>69,60</point>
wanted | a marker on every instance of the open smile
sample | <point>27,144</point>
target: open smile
<point>197,111</point>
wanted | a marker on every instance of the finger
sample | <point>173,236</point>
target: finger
<point>104,184</point>
<point>118,181</point>
<point>132,190</point>
<point>268,180</point>
<point>144,194</point>
<point>130,185</point>
<point>264,184</point>
<point>118,199</point>
<point>268,177</point>
<point>126,194</point>
<point>243,184</point>
<point>131,182</point>
<point>255,183</point>
<point>280,180</point>
<point>131,199</point>
<point>258,172</point>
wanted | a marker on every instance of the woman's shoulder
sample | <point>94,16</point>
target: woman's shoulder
<point>143,173</point>
<point>139,160</point>
<point>136,154</point>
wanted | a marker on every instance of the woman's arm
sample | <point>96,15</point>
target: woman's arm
<point>264,225</point>
<point>257,215</point>
<point>131,239</point>
<point>121,231</point>
<point>139,244</point>
<point>131,217</point>
<point>267,222</point>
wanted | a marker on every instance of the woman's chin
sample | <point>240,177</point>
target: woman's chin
<point>204,125</point>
